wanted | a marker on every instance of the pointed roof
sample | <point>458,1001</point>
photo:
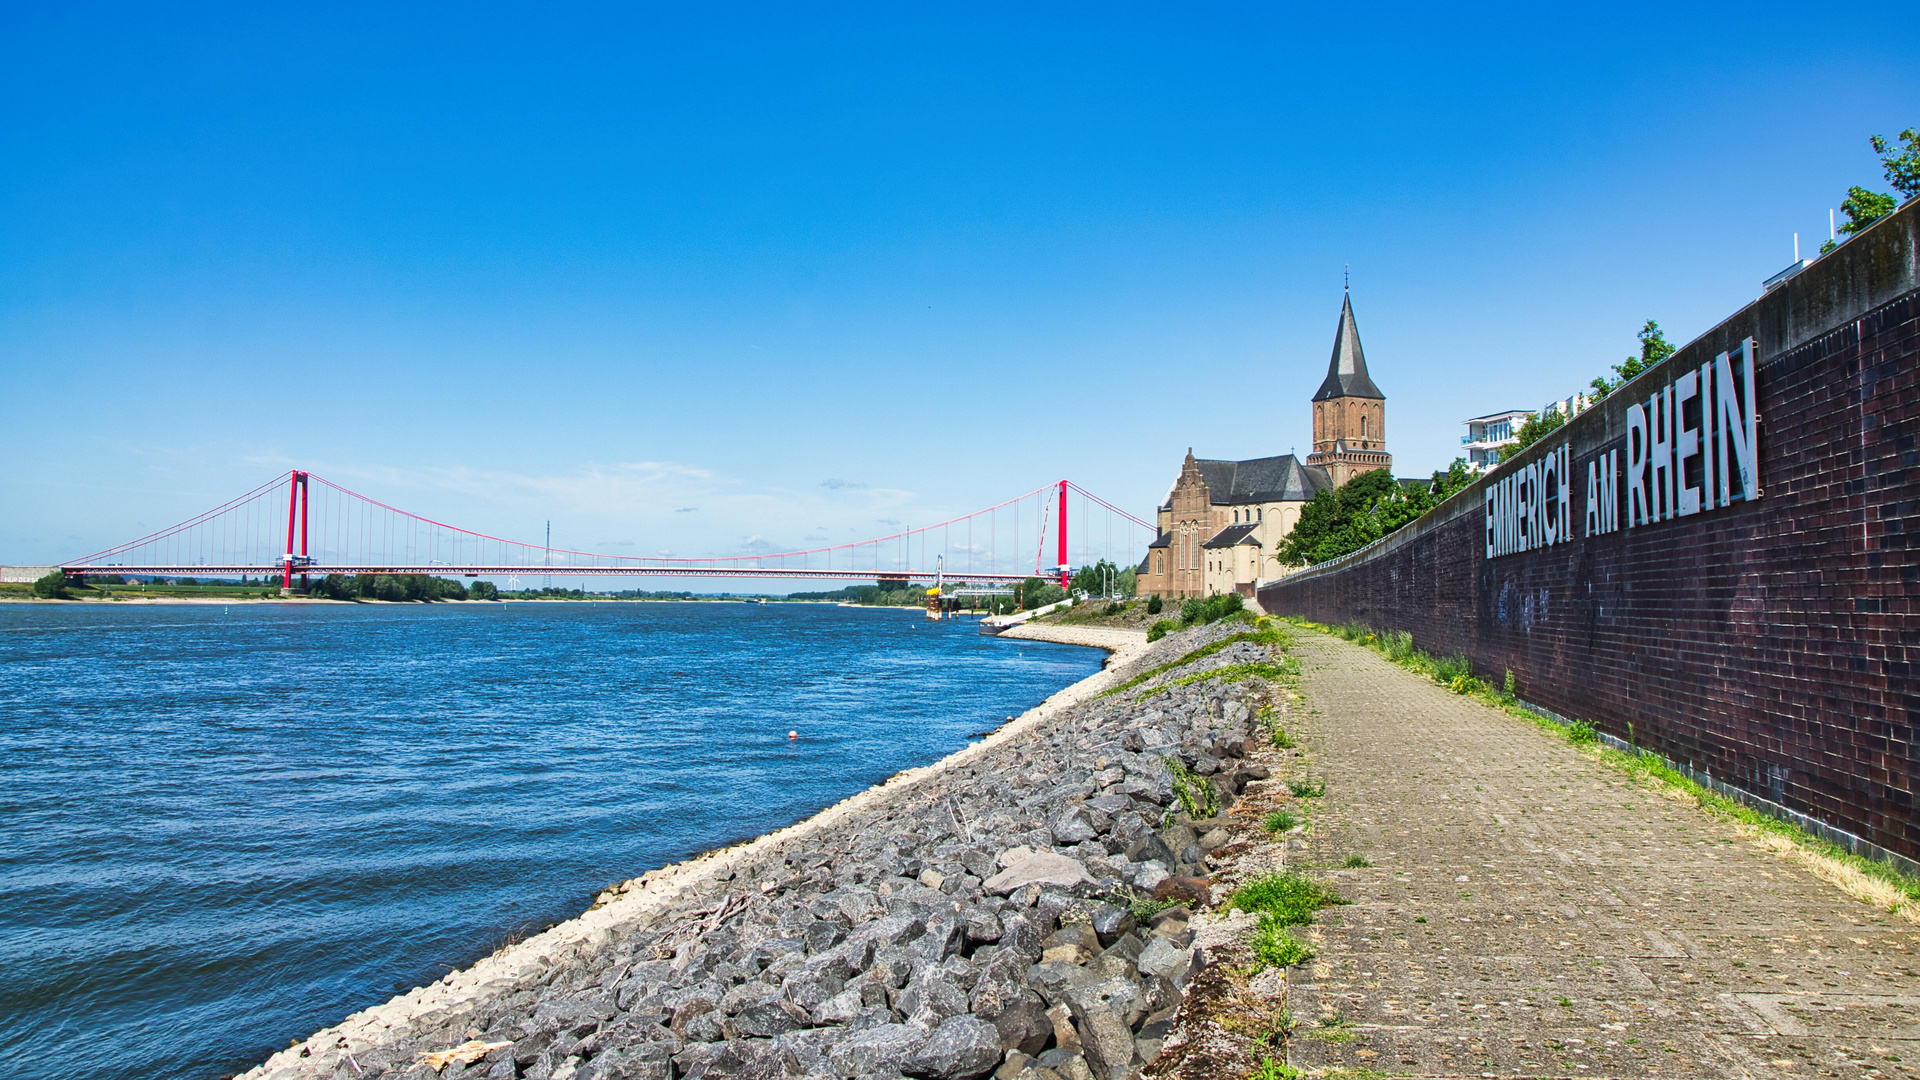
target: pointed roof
<point>1347,371</point>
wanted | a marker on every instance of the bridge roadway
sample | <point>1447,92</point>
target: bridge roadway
<point>277,569</point>
<point>1531,912</point>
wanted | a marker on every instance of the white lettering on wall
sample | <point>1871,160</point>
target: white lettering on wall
<point>1691,445</point>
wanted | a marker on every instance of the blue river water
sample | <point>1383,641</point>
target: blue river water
<point>222,828</point>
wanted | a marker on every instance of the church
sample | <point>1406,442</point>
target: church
<point>1221,522</point>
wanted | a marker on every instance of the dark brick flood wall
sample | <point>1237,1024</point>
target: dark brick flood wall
<point>1769,643</point>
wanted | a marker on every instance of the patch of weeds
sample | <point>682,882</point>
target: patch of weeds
<point>1146,908</point>
<point>1195,793</point>
<point>1356,862</point>
<point>1276,946</point>
<point>1334,1029</point>
<point>1290,897</point>
<point>1419,918</point>
<point>1274,1070</point>
<point>1353,1072</point>
<point>1563,1002</point>
<point>1307,789</point>
<point>1582,732</point>
<point>1281,900</point>
<point>1159,630</point>
<point>1269,721</point>
<point>1280,821</point>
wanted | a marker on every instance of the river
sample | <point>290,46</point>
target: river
<point>222,828</point>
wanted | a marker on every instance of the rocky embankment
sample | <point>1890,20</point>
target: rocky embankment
<point>993,913</point>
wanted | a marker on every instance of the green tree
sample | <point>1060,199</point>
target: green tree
<point>1095,580</point>
<point>483,590</point>
<point>1863,208</point>
<point>1537,427</point>
<point>1654,347</point>
<point>1446,482</point>
<point>1902,170</point>
<point>1348,518</point>
<point>51,586</point>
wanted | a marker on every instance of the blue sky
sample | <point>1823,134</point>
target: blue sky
<point>811,269</point>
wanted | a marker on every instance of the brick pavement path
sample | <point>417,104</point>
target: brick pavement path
<point>1531,913</point>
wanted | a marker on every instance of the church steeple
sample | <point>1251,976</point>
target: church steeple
<point>1347,371</point>
<point>1349,412</point>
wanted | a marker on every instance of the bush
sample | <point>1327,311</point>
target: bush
<point>52,586</point>
<point>1154,605</point>
<point>483,590</point>
<point>1583,732</point>
<point>1160,629</point>
<point>1279,821</point>
<point>1199,612</point>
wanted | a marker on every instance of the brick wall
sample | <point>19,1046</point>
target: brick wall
<point>1770,643</point>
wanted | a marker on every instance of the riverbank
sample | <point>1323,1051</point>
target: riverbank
<point>975,913</point>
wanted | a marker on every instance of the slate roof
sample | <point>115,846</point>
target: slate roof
<point>1268,479</point>
<point>1347,371</point>
<point>1165,539</point>
<point>1232,535</point>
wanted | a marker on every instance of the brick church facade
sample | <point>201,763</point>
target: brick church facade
<point>1222,521</point>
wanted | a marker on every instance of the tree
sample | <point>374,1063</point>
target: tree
<point>1350,517</point>
<point>483,590</point>
<point>1095,580</point>
<point>1536,428</point>
<point>1447,482</point>
<point>1863,208</point>
<point>1902,170</point>
<point>51,586</point>
<point>1654,348</point>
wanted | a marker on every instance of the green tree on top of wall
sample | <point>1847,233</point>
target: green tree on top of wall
<point>1654,347</point>
<point>1900,166</point>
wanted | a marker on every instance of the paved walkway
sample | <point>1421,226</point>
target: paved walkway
<point>1529,913</point>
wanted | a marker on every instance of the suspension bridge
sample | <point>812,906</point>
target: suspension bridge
<point>301,525</point>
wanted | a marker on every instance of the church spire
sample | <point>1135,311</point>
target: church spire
<point>1347,371</point>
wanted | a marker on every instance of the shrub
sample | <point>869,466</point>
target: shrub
<point>1154,605</point>
<point>1356,862</point>
<point>1160,629</point>
<point>1583,732</point>
<point>1280,821</point>
<point>1199,612</point>
<point>51,586</point>
<point>1307,789</point>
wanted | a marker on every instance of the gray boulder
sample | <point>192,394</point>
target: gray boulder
<point>878,1051</point>
<point>961,1048</point>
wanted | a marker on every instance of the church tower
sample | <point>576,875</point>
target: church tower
<point>1349,412</point>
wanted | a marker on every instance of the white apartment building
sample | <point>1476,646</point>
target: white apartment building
<point>1487,436</point>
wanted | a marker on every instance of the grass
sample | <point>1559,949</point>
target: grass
<point>1282,901</point>
<point>1231,673</point>
<point>1258,637</point>
<point>1280,821</point>
<point>1334,1029</point>
<point>1307,789</point>
<point>1870,880</point>
<point>1146,908</point>
<point>1356,862</point>
<point>1195,793</point>
<point>1276,946</point>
